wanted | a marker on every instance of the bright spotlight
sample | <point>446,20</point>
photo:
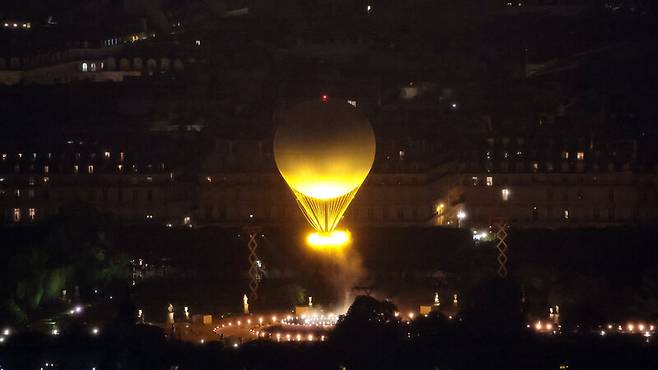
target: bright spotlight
<point>332,240</point>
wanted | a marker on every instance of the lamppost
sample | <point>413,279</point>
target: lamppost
<point>461,215</point>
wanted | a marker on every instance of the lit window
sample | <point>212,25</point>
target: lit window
<point>4,156</point>
<point>92,67</point>
<point>149,179</point>
<point>46,179</point>
<point>505,194</point>
<point>90,169</point>
<point>566,214</point>
<point>119,167</point>
<point>474,180</point>
<point>76,168</point>
<point>18,193</point>
<point>197,42</point>
<point>85,67</point>
<point>17,214</point>
<point>31,181</point>
<point>401,155</point>
<point>369,9</point>
<point>565,155</point>
<point>121,156</point>
<point>107,155</point>
<point>46,169</point>
<point>32,213</point>
<point>187,220</point>
<point>489,181</point>
<point>580,156</point>
<point>535,166</point>
<point>352,103</point>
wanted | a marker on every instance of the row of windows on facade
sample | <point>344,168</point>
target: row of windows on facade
<point>564,155</point>
<point>30,214</point>
<point>34,156</point>
<point>91,196</point>
<point>505,194</point>
<point>387,213</point>
<point>32,181</point>
<point>17,214</point>
<point>564,214</point>
<point>536,167</point>
<point>17,25</point>
<point>125,65</point>
<point>253,180</point>
<point>566,180</point>
<point>90,168</point>
<point>127,39</point>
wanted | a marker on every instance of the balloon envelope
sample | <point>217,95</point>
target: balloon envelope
<point>324,149</point>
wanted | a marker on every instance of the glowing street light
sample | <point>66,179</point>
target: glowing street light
<point>461,215</point>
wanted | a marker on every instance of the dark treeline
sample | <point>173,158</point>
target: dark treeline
<point>488,335</point>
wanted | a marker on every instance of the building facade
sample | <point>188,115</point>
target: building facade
<point>237,182</point>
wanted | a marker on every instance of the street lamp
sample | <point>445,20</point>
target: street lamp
<point>461,215</point>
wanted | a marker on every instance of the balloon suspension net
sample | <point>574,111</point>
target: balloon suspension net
<point>324,214</point>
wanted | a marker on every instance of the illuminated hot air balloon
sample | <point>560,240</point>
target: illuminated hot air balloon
<point>324,150</point>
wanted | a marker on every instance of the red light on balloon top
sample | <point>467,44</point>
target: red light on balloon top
<point>325,98</point>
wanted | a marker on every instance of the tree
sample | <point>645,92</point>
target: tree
<point>67,251</point>
<point>368,324</point>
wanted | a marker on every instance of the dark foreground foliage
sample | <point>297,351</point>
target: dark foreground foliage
<point>370,336</point>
